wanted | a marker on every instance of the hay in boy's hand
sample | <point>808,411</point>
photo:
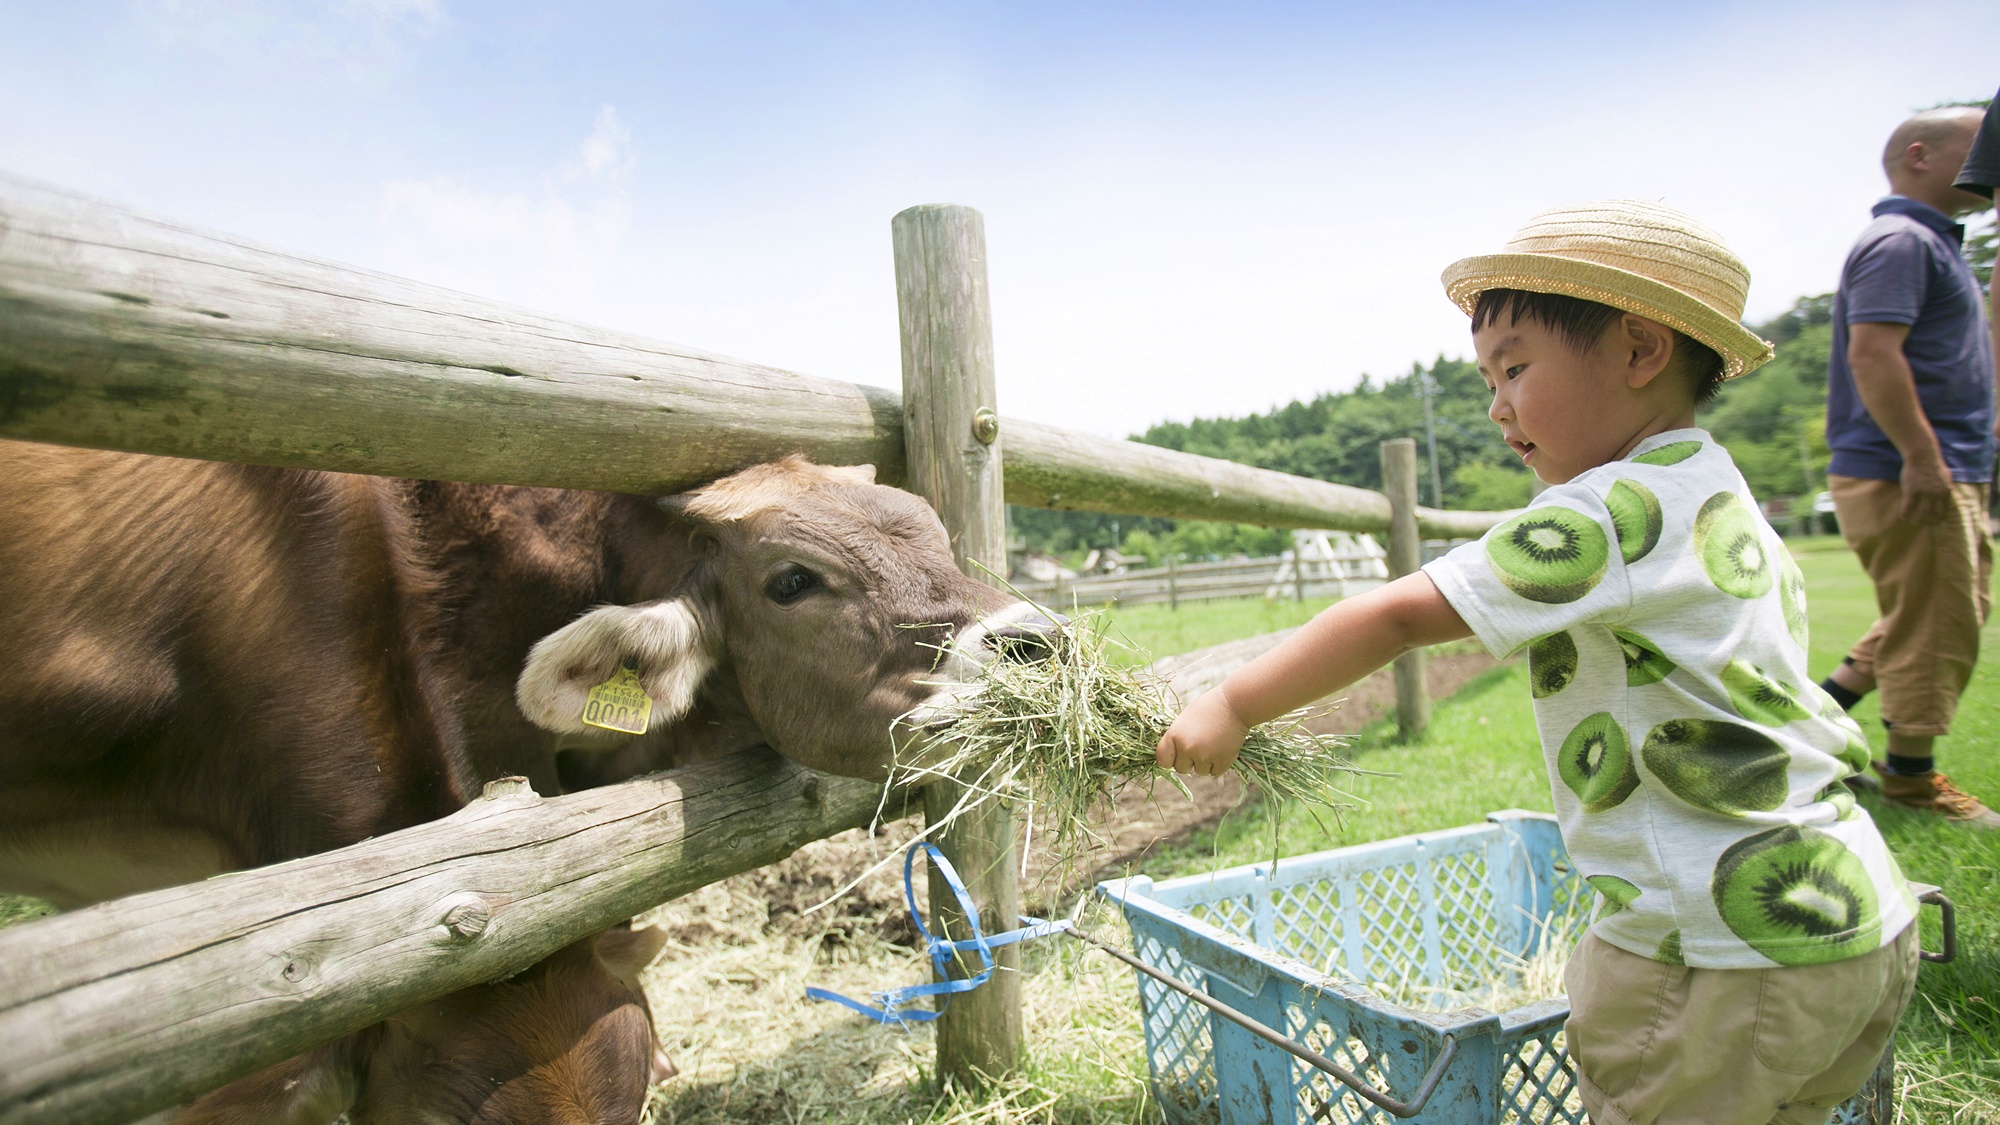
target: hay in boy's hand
<point>1055,735</point>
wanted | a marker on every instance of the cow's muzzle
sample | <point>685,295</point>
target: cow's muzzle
<point>1021,631</point>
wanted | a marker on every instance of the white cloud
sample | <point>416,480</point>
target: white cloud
<point>559,245</point>
<point>607,152</point>
<point>360,38</point>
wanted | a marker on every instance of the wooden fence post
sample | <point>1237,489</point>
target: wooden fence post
<point>950,438</point>
<point>1406,550</point>
<point>1173,585</point>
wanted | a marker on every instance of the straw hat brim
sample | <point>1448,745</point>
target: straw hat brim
<point>1741,350</point>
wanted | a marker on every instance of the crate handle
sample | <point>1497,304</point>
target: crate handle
<point>1950,919</point>
<point>1291,1046</point>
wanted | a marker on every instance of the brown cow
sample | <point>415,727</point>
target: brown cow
<point>568,1042</point>
<point>212,666</point>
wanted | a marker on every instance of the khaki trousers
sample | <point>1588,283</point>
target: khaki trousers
<point>1660,1044</point>
<point>1933,589</point>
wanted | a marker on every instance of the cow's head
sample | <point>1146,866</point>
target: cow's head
<point>567,1042</point>
<point>834,600</point>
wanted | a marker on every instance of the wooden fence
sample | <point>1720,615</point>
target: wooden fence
<point>124,331</point>
<point>1196,582</point>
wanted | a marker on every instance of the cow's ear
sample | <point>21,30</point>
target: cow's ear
<point>853,474</point>
<point>626,953</point>
<point>671,643</point>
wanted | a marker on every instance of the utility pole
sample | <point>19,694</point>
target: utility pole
<point>1430,435</point>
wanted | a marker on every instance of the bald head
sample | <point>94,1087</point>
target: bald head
<point>1924,154</point>
<point>1931,128</point>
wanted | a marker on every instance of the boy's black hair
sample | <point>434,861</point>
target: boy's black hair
<point>1581,324</point>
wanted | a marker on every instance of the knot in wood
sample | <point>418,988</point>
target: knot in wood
<point>985,425</point>
<point>466,916</point>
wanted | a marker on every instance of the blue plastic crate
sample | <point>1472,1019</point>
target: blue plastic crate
<point>1288,945</point>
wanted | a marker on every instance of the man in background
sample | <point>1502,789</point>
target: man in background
<point>1910,422</point>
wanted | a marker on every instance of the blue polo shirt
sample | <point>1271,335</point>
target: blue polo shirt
<point>1907,268</point>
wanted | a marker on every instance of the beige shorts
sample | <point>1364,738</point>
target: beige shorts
<point>1666,1044</point>
<point>1933,588</point>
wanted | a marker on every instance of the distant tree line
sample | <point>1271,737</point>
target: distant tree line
<point>1772,422</point>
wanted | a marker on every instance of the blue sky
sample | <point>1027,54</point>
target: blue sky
<point>1191,210</point>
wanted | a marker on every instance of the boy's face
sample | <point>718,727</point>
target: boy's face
<point>1563,411</point>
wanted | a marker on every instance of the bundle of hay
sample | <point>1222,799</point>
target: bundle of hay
<point>1054,736</point>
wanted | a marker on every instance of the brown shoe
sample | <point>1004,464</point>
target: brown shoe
<point>1934,793</point>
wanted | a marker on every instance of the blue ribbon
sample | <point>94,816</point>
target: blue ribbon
<point>941,952</point>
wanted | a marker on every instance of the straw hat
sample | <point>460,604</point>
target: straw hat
<point>1632,255</point>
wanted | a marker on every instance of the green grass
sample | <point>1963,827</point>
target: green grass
<point>1481,754</point>
<point>19,908</point>
<point>1155,630</point>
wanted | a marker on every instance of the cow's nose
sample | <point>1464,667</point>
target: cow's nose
<point>1026,639</point>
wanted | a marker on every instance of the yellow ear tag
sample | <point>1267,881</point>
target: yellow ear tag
<point>619,704</point>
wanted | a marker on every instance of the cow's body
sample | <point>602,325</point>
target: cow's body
<point>218,666</point>
<point>212,666</point>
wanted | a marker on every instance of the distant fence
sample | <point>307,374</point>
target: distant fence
<point>1196,582</point>
<point>124,331</point>
<point>1272,577</point>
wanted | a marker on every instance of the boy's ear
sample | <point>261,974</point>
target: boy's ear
<point>1647,347</point>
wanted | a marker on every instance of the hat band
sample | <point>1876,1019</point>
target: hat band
<point>1733,364</point>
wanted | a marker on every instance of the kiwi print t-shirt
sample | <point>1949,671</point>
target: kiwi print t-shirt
<point>1696,766</point>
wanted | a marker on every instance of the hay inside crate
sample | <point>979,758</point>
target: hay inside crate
<point>1371,955</point>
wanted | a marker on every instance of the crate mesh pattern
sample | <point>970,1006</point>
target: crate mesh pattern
<point>1306,946</point>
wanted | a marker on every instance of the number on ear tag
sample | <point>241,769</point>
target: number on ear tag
<point>619,704</point>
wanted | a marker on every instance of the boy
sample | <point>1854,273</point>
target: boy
<point>1753,948</point>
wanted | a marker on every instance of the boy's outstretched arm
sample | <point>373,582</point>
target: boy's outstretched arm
<point>1348,640</point>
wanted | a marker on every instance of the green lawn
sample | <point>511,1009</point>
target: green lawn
<point>1155,630</point>
<point>1481,754</point>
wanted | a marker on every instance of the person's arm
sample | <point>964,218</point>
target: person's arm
<point>1888,389</point>
<point>1348,640</point>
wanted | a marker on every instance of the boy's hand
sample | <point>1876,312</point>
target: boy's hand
<point>1205,739</point>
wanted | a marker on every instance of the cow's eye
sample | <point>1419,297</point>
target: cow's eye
<point>790,584</point>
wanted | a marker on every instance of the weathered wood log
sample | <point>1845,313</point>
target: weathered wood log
<point>125,331</point>
<point>120,330</point>
<point>117,1010</point>
<point>953,448</point>
<point>1406,556</point>
<point>1054,468</point>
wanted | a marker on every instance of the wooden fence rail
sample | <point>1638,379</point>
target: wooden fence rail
<point>117,1010</point>
<point>124,331</point>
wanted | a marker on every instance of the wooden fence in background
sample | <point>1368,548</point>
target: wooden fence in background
<point>125,331</point>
